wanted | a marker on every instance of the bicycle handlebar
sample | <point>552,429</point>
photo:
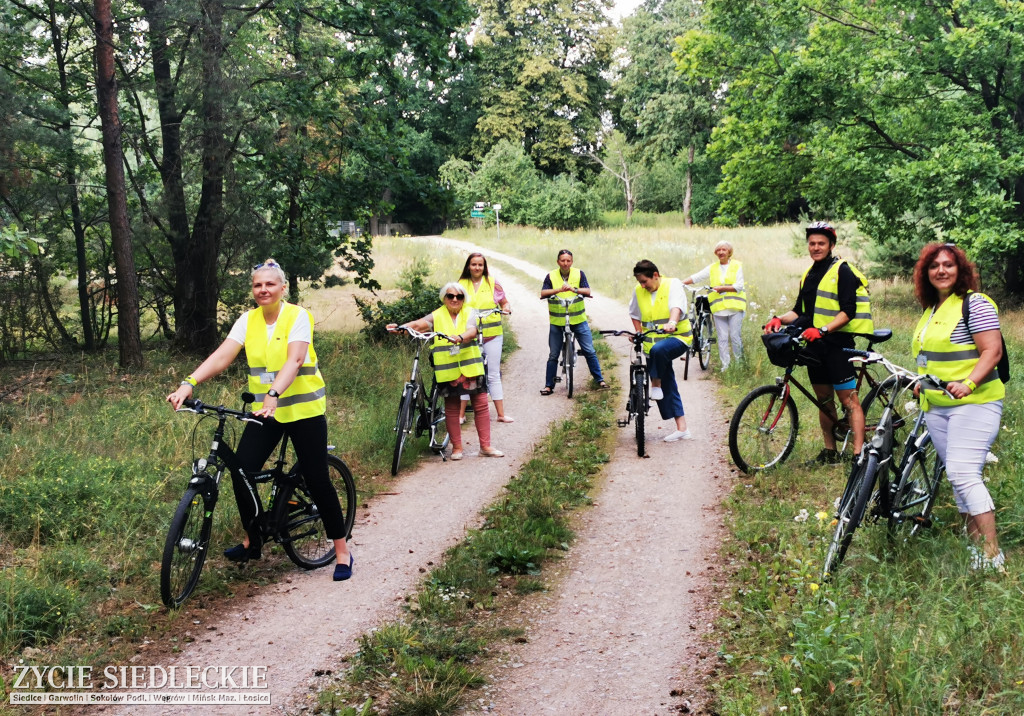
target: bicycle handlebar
<point>926,380</point>
<point>631,334</point>
<point>191,405</point>
<point>489,311</point>
<point>413,333</point>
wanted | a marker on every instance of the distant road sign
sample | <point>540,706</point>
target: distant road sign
<point>476,214</point>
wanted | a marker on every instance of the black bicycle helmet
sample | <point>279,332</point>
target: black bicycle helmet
<point>821,227</point>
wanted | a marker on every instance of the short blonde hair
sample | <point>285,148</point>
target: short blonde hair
<point>723,244</point>
<point>454,287</point>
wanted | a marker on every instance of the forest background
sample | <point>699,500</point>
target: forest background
<point>150,152</point>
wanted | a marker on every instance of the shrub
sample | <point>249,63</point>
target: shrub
<point>33,609</point>
<point>566,204</point>
<point>420,299</point>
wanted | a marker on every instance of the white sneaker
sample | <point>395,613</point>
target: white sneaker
<point>657,393</point>
<point>979,561</point>
<point>678,435</point>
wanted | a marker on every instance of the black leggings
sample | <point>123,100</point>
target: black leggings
<point>309,439</point>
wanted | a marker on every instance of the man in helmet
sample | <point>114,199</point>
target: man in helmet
<point>832,306</point>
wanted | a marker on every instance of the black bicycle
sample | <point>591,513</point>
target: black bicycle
<point>291,518</point>
<point>702,326</point>
<point>908,495</point>
<point>567,362</point>
<point>763,429</point>
<point>419,411</point>
<point>639,400</point>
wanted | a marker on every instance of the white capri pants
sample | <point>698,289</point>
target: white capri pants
<point>492,352</point>
<point>729,331</point>
<point>963,435</point>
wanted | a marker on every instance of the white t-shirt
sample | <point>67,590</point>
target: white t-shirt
<point>704,276</point>
<point>676,299</point>
<point>302,330</point>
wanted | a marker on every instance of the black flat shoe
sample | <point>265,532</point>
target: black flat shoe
<point>242,554</point>
<point>344,571</point>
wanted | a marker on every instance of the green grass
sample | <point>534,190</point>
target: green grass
<point>424,663</point>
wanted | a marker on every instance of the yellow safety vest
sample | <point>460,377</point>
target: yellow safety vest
<point>483,300</point>
<point>306,397</point>
<point>576,312</point>
<point>658,313</point>
<point>951,361</point>
<point>826,302</point>
<point>467,360</point>
<point>730,300</point>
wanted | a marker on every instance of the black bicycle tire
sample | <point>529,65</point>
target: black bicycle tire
<point>742,456</point>
<point>170,593</point>
<point>568,363</point>
<point>925,458</point>
<point>437,422</point>
<point>639,384</point>
<point>704,345</point>
<point>403,426</point>
<point>686,359</point>
<point>850,515</point>
<point>300,519</point>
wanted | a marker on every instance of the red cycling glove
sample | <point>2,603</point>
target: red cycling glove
<point>811,335</point>
<point>773,325</point>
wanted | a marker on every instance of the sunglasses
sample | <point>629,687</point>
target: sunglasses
<point>266,264</point>
<point>454,296</point>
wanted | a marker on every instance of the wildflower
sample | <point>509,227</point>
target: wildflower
<point>802,517</point>
<point>821,515</point>
<point>814,587</point>
<point>797,690</point>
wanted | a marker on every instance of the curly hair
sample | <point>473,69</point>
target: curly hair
<point>966,273</point>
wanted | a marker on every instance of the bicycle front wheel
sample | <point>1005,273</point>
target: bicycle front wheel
<point>703,337</point>
<point>638,390</point>
<point>403,426</point>
<point>915,494</point>
<point>188,543</point>
<point>893,391</point>
<point>762,432</point>
<point>439,437</point>
<point>302,529</point>
<point>569,362</point>
<point>851,512</point>
<point>686,360</point>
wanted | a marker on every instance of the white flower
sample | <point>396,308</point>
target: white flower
<point>797,690</point>
<point>802,517</point>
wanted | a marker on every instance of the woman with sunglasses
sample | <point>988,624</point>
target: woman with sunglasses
<point>290,400</point>
<point>458,365</point>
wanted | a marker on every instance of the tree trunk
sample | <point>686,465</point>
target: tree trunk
<point>128,336</point>
<point>688,195</point>
<point>630,199</point>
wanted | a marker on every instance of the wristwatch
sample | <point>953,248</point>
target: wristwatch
<point>823,330</point>
<point>273,393</point>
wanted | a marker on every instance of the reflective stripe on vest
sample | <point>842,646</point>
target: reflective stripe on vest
<point>952,361</point>
<point>306,397</point>
<point>482,300</point>
<point>575,311</point>
<point>658,313</point>
<point>467,361</point>
<point>826,301</point>
<point>730,300</point>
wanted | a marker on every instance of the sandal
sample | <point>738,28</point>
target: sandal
<point>602,385</point>
<point>547,390</point>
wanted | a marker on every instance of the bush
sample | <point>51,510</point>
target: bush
<point>420,299</point>
<point>33,609</point>
<point>564,203</point>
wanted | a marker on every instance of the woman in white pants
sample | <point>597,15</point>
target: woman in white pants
<point>958,340</point>
<point>728,300</point>
<point>483,292</point>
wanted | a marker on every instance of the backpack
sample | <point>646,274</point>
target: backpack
<point>1003,368</point>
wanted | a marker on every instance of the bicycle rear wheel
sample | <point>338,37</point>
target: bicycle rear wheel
<point>851,511</point>
<point>188,543</point>
<point>686,359</point>
<point>403,426</point>
<point>439,437</point>
<point>915,493</point>
<point>705,334</point>
<point>638,391</point>
<point>762,432</point>
<point>302,530</point>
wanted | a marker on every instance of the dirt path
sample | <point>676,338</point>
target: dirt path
<point>617,631</point>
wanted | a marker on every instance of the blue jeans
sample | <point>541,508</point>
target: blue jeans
<point>659,365</point>
<point>586,341</point>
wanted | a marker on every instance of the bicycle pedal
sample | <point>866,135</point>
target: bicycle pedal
<point>558,379</point>
<point>622,423</point>
<point>923,521</point>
